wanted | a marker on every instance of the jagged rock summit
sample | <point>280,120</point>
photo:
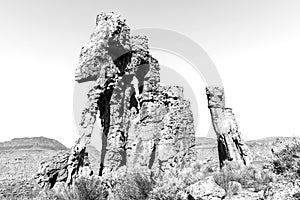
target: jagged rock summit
<point>144,124</point>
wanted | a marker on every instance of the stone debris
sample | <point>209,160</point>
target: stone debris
<point>231,147</point>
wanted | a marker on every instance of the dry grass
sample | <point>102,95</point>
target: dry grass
<point>248,177</point>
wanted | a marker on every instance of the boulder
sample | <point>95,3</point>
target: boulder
<point>206,189</point>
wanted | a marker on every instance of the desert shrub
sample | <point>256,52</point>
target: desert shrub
<point>168,185</point>
<point>85,188</point>
<point>247,176</point>
<point>252,177</point>
<point>135,186</point>
<point>227,174</point>
<point>91,189</point>
<point>171,184</point>
<point>287,161</point>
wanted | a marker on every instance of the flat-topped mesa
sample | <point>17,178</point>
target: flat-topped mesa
<point>230,144</point>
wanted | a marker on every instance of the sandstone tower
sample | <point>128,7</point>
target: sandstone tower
<point>230,144</point>
<point>144,124</point>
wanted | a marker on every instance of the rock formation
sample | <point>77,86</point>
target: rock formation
<point>19,160</point>
<point>143,123</point>
<point>230,144</point>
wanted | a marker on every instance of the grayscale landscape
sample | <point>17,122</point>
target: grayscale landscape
<point>147,147</point>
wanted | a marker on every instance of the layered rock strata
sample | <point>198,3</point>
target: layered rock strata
<point>231,147</point>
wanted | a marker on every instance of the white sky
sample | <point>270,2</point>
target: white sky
<point>254,44</point>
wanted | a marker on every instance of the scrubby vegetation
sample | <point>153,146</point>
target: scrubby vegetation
<point>247,176</point>
<point>133,186</point>
<point>170,185</point>
<point>271,180</point>
<point>287,160</point>
<point>175,184</point>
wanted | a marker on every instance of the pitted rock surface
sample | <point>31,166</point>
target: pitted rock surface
<point>143,123</point>
<point>231,147</point>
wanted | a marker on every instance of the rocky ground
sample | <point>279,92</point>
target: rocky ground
<point>19,162</point>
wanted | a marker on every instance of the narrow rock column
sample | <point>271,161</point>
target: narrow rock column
<point>230,145</point>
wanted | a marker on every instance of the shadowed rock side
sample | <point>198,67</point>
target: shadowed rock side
<point>143,123</point>
<point>230,144</point>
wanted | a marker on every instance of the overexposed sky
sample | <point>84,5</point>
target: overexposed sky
<point>254,45</point>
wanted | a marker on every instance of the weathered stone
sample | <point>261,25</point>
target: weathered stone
<point>63,167</point>
<point>230,144</point>
<point>143,123</point>
<point>206,189</point>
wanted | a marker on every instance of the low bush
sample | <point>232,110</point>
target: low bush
<point>287,160</point>
<point>85,188</point>
<point>247,176</point>
<point>136,186</point>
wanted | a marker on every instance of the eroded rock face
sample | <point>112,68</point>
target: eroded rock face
<point>230,144</point>
<point>143,123</point>
<point>63,167</point>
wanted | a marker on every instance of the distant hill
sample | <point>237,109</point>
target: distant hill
<point>20,157</point>
<point>32,143</point>
<point>260,149</point>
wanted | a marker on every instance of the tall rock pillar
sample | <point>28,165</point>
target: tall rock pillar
<point>230,144</point>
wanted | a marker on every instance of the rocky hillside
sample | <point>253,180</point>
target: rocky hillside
<point>20,159</point>
<point>19,164</point>
<point>32,143</point>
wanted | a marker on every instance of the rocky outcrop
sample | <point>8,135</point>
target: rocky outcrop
<point>230,144</point>
<point>206,189</point>
<point>143,123</point>
<point>65,166</point>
